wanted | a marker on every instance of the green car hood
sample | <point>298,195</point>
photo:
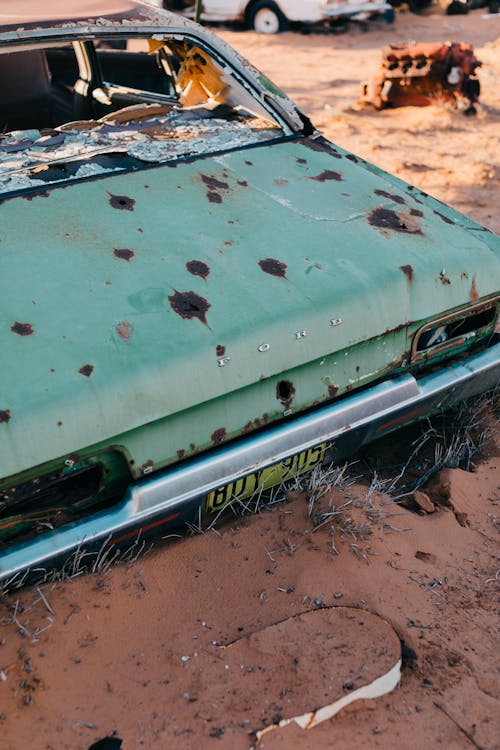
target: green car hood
<point>135,296</point>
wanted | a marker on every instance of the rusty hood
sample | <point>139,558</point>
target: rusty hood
<point>128,298</point>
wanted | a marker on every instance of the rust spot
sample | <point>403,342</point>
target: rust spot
<point>86,370</point>
<point>123,253</point>
<point>121,202</point>
<point>280,183</point>
<point>416,212</point>
<point>348,387</point>
<point>59,424</point>
<point>180,454</point>
<point>443,217</point>
<point>147,465</point>
<point>390,196</point>
<point>327,174</point>
<point>198,268</point>
<point>192,446</point>
<point>385,218</point>
<point>357,368</point>
<point>273,267</point>
<point>333,390</point>
<point>228,243</point>
<point>352,158</point>
<point>408,272</point>
<point>301,161</point>
<point>247,428</point>
<point>321,145</point>
<point>249,163</point>
<point>220,350</point>
<point>22,329</point>
<point>189,305</point>
<point>242,183</point>
<point>285,391</point>
<point>213,184</point>
<point>464,275</point>
<point>4,415</point>
<point>124,330</point>
<point>474,294</point>
<point>218,436</point>
<point>444,279</point>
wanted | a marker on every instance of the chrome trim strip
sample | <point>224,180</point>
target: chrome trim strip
<point>168,492</point>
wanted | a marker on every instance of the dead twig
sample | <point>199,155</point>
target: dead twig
<point>458,726</point>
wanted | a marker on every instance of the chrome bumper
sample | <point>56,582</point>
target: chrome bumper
<point>177,495</point>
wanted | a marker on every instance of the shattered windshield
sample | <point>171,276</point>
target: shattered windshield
<point>82,109</point>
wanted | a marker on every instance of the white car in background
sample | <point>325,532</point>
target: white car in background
<point>273,16</point>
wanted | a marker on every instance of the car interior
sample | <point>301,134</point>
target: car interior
<point>46,88</point>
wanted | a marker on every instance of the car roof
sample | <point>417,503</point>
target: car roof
<point>55,13</point>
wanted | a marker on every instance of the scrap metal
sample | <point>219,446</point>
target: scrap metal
<point>423,74</point>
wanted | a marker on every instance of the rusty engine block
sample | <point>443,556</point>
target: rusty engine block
<point>422,74</point>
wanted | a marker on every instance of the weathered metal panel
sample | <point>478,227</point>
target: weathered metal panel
<point>173,497</point>
<point>116,313</point>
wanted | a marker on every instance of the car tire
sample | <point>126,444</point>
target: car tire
<point>265,17</point>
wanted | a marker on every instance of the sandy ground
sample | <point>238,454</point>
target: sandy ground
<point>207,640</point>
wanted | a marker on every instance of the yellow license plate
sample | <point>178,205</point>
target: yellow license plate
<point>244,487</point>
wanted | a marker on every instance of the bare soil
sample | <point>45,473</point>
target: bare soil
<point>209,639</point>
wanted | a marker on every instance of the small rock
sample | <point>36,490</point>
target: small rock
<point>424,502</point>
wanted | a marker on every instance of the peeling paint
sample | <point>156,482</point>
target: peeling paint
<point>198,268</point>
<point>218,436</point>
<point>124,330</point>
<point>273,267</point>
<point>408,272</point>
<point>22,329</point>
<point>326,175</point>
<point>121,202</point>
<point>321,145</point>
<point>159,138</point>
<point>5,416</point>
<point>123,253</point>
<point>390,196</point>
<point>385,218</point>
<point>189,305</point>
<point>443,278</point>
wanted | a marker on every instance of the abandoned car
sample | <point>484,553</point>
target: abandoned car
<point>273,16</point>
<point>201,297</point>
